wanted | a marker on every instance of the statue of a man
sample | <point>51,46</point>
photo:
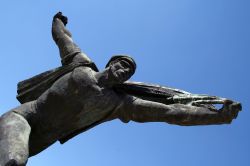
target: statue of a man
<point>82,97</point>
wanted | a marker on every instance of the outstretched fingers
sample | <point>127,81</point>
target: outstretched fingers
<point>231,109</point>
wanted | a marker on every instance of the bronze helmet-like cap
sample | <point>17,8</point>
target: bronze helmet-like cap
<point>127,58</point>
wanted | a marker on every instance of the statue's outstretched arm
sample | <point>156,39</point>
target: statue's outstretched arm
<point>62,36</point>
<point>140,110</point>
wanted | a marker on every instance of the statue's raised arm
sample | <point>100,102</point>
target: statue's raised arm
<point>60,34</point>
<point>69,51</point>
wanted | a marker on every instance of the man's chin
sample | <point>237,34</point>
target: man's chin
<point>114,78</point>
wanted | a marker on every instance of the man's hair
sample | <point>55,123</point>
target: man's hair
<point>126,58</point>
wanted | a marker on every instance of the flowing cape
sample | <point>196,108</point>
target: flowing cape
<point>30,89</point>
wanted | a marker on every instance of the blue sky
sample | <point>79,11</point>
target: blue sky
<point>199,46</point>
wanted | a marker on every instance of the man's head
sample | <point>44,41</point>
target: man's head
<point>121,68</point>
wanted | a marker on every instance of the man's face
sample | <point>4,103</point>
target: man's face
<point>121,70</point>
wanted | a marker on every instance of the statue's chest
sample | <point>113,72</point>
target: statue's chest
<point>95,110</point>
<point>86,91</point>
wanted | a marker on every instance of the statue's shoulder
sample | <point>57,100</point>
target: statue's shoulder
<point>84,75</point>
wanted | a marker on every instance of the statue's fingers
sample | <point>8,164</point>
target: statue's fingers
<point>231,109</point>
<point>234,109</point>
<point>236,106</point>
<point>209,102</point>
<point>58,14</point>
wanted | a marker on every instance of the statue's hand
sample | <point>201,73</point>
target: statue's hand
<point>228,112</point>
<point>230,109</point>
<point>61,17</point>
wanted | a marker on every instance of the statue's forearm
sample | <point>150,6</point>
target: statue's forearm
<point>146,111</point>
<point>62,38</point>
<point>59,30</point>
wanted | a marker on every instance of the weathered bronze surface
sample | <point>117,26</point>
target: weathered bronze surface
<point>63,102</point>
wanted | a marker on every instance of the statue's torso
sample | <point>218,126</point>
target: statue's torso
<point>73,102</point>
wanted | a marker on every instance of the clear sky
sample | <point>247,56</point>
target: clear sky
<point>201,46</point>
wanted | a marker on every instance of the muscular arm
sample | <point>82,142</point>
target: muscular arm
<point>147,111</point>
<point>63,37</point>
<point>59,31</point>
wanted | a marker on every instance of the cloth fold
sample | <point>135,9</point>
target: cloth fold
<point>30,89</point>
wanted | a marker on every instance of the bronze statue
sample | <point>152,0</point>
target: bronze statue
<point>63,102</point>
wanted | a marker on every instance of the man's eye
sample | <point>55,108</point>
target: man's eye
<point>125,64</point>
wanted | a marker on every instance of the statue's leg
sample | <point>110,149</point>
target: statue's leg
<point>14,139</point>
<point>147,111</point>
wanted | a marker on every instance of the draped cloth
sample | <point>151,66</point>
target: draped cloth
<point>30,89</point>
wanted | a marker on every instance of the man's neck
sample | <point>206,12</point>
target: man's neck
<point>105,78</point>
